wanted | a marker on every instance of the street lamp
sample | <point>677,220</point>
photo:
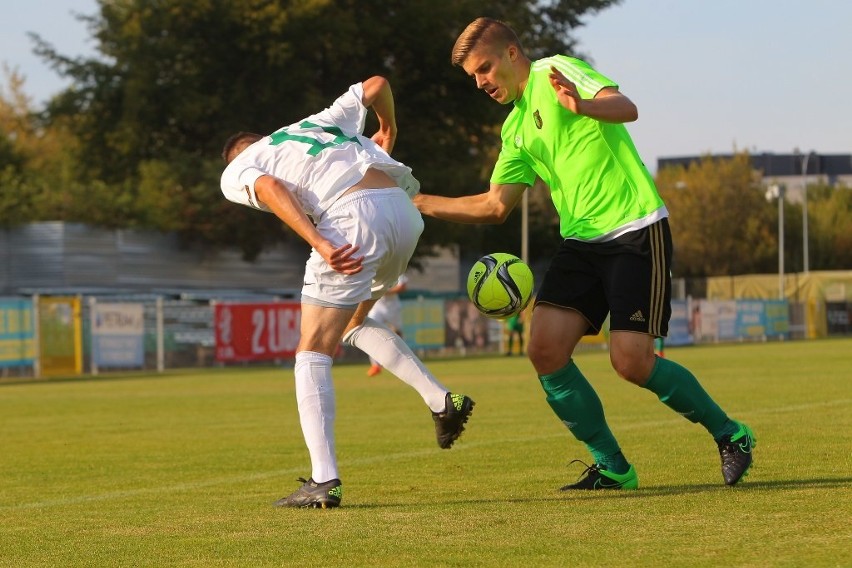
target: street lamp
<point>772,192</point>
<point>805,160</point>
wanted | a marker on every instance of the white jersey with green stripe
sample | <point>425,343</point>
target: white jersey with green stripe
<point>598,183</point>
<point>318,158</point>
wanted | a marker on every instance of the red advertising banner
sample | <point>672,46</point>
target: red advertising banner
<point>256,332</point>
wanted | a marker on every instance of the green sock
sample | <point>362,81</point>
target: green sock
<point>678,389</point>
<point>615,463</point>
<point>576,403</point>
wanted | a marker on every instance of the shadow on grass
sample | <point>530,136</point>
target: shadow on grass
<point>642,493</point>
<point>777,484</point>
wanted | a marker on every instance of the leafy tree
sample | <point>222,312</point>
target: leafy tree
<point>721,222</point>
<point>26,149</point>
<point>830,227</point>
<point>174,78</point>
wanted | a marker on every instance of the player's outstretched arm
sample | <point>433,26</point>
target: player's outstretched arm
<point>379,97</point>
<point>490,207</point>
<point>609,104</point>
<point>275,195</point>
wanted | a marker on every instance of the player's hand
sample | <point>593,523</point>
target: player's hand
<point>566,91</point>
<point>386,139</point>
<point>342,259</point>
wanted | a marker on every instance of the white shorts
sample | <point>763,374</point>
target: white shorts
<point>385,224</point>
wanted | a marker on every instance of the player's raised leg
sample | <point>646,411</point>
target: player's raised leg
<point>450,412</point>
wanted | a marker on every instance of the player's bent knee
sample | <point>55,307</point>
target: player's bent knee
<point>545,359</point>
<point>633,369</point>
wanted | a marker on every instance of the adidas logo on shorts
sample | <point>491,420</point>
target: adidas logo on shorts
<point>638,316</point>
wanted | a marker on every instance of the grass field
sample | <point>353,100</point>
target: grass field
<point>180,470</point>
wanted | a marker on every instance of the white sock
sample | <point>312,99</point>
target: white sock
<point>315,397</point>
<point>392,353</point>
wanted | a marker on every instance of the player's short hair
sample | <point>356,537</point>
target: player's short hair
<point>237,143</point>
<point>483,31</point>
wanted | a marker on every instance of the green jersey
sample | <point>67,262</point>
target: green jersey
<point>598,183</point>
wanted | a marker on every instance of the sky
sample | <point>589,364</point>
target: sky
<point>707,76</point>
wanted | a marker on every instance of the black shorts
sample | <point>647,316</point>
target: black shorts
<point>628,278</point>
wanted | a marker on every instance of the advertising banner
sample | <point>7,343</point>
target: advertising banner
<point>679,324</point>
<point>256,331</point>
<point>423,323</point>
<point>759,319</point>
<point>714,320</point>
<point>118,335</point>
<point>17,333</point>
<point>751,319</point>
<point>838,317</point>
<point>60,335</point>
<point>726,319</point>
<point>777,318</point>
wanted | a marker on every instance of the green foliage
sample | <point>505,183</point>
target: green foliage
<point>830,227</point>
<point>721,222</point>
<point>181,469</point>
<point>174,79</point>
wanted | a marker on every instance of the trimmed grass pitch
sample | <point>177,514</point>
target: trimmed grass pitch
<point>181,470</point>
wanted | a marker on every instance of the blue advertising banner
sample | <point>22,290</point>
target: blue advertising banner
<point>777,318</point>
<point>17,332</point>
<point>751,319</point>
<point>679,324</point>
<point>758,319</point>
<point>726,319</point>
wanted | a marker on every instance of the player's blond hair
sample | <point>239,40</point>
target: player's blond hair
<point>487,31</point>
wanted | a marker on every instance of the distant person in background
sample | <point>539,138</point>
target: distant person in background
<point>351,202</point>
<point>566,127</point>
<point>515,328</point>
<point>388,311</point>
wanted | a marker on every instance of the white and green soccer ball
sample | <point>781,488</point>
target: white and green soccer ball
<point>500,285</point>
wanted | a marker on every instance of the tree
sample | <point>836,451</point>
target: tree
<point>175,78</point>
<point>830,227</point>
<point>30,154</point>
<point>721,222</point>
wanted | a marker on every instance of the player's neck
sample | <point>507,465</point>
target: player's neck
<point>523,67</point>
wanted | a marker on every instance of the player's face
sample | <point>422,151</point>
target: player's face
<point>493,70</point>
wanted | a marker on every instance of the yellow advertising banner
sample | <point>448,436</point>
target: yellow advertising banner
<point>60,336</point>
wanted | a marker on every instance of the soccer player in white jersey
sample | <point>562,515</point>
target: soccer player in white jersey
<point>343,194</point>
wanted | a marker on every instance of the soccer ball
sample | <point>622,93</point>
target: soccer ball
<point>500,285</point>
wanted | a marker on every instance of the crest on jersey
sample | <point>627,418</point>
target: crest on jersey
<point>537,119</point>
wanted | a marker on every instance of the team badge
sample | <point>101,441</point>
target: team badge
<point>537,119</point>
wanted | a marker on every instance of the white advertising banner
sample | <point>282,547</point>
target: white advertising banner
<point>118,335</point>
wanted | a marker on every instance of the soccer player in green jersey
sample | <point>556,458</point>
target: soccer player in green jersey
<point>567,128</point>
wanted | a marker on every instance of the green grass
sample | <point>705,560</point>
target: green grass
<point>180,470</point>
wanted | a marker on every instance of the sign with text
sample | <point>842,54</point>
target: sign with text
<point>17,332</point>
<point>256,331</point>
<point>118,335</point>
